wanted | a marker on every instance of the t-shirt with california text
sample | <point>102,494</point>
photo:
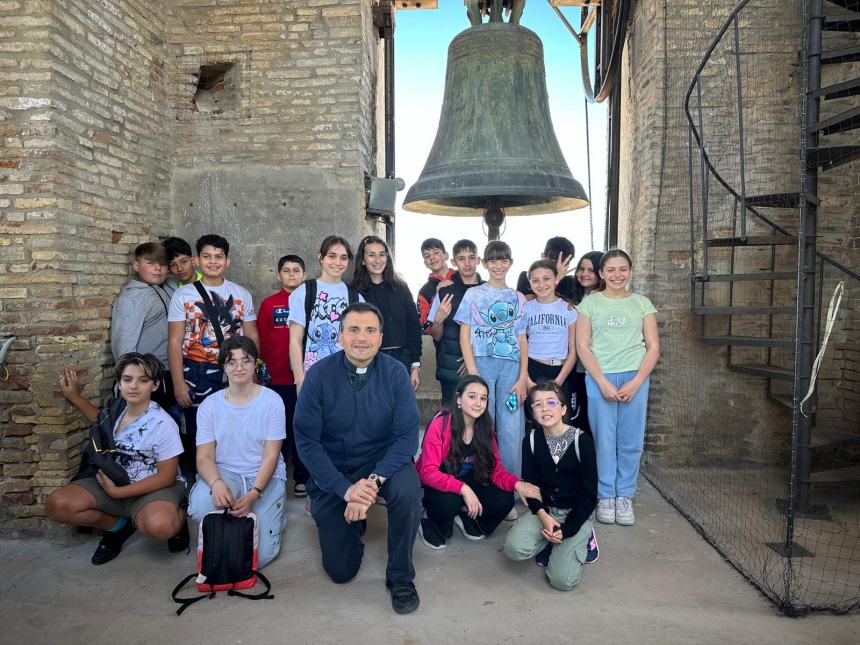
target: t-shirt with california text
<point>496,319</point>
<point>547,328</point>
<point>617,341</point>
<point>324,325</point>
<point>233,306</point>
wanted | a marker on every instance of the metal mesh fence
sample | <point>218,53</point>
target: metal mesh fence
<point>726,443</point>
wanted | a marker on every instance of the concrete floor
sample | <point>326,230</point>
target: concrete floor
<point>656,582</point>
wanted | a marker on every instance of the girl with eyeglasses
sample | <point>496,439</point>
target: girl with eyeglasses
<point>240,430</point>
<point>618,343</point>
<point>376,281</point>
<point>462,474</point>
<point>559,459</point>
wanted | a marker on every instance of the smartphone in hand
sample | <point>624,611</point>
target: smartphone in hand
<point>511,403</point>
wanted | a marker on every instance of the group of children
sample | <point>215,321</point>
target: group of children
<point>569,357</point>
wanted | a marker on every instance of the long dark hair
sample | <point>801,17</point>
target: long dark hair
<point>612,253</point>
<point>482,437</point>
<point>361,280</point>
<point>594,258</point>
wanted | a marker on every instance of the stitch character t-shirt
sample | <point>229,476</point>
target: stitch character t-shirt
<point>233,306</point>
<point>150,438</point>
<point>617,340</point>
<point>324,324</point>
<point>496,317</point>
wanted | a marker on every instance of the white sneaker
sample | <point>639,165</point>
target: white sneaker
<point>606,510</point>
<point>513,516</point>
<point>624,511</point>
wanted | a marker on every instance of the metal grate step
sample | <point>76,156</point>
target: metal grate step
<point>747,341</point>
<point>848,120</point>
<point>764,369</point>
<point>841,55</point>
<point>746,277</point>
<point>842,22</point>
<point>774,200</point>
<point>752,240</point>
<point>706,310</point>
<point>832,156</point>
<point>839,90</point>
<point>849,474</point>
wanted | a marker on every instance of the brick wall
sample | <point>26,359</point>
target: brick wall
<point>102,142</point>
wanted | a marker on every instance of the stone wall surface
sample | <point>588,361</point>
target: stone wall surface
<point>107,141</point>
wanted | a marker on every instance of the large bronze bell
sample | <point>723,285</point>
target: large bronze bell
<point>495,151</point>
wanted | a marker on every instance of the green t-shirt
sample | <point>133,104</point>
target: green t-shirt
<point>616,330</point>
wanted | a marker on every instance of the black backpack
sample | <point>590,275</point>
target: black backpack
<point>226,559</point>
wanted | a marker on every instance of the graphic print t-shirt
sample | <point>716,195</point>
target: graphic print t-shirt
<point>233,306</point>
<point>617,340</point>
<point>324,324</point>
<point>496,317</point>
<point>547,328</point>
<point>273,325</point>
<point>150,438</point>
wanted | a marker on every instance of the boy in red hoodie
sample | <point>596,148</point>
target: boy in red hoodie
<point>274,329</point>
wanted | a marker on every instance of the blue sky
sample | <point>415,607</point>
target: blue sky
<point>421,44</point>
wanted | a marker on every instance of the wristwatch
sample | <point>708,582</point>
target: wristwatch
<point>376,479</point>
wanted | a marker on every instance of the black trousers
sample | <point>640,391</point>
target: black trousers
<point>288,396</point>
<point>340,542</point>
<point>442,508</point>
<point>578,410</point>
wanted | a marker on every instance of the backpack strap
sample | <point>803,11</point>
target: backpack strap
<point>310,297</point>
<point>263,595</point>
<point>575,442</point>
<point>351,295</point>
<point>532,442</point>
<point>209,310</point>
<point>187,602</point>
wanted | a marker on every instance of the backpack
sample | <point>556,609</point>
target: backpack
<point>226,559</point>
<point>310,297</point>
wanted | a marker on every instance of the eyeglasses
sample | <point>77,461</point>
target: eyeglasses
<point>244,362</point>
<point>552,404</point>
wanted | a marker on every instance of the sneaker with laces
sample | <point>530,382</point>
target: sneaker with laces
<point>513,516</point>
<point>593,550</point>
<point>299,490</point>
<point>624,511</point>
<point>181,541</point>
<point>404,597</point>
<point>111,544</point>
<point>606,510</point>
<point>430,535</point>
<point>542,558</point>
<point>468,527</point>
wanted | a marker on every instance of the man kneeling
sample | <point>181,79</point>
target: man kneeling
<point>356,426</point>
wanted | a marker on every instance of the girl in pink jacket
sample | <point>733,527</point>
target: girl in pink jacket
<point>460,467</point>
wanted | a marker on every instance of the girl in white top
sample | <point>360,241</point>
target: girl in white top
<point>550,329</point>
<point>240,430</point>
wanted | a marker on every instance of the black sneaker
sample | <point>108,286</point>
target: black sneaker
<point>404,597</point>
<point>181,541</point>
<point>542,558</point>
<point>430,535</point>
<point>593,549</point>
<point>300,490</point>
<point>469,527</point>
<point>111,544</point>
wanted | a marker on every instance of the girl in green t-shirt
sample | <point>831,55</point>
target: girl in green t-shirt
<point>617,341</point>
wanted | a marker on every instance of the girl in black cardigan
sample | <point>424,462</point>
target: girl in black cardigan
<point>560,460</point>
<point>375,280</point>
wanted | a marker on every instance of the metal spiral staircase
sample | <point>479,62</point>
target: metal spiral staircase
<point>778,334</point>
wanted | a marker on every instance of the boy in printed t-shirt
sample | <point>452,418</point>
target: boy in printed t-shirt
<point>194,327</point>
<point>274,328</point>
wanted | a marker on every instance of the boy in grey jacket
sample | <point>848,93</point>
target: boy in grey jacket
<point>139,318</point>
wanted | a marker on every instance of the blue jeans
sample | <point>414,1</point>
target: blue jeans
<point>619,430</point>
<point>269,509</point>
<point>500,375</point>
